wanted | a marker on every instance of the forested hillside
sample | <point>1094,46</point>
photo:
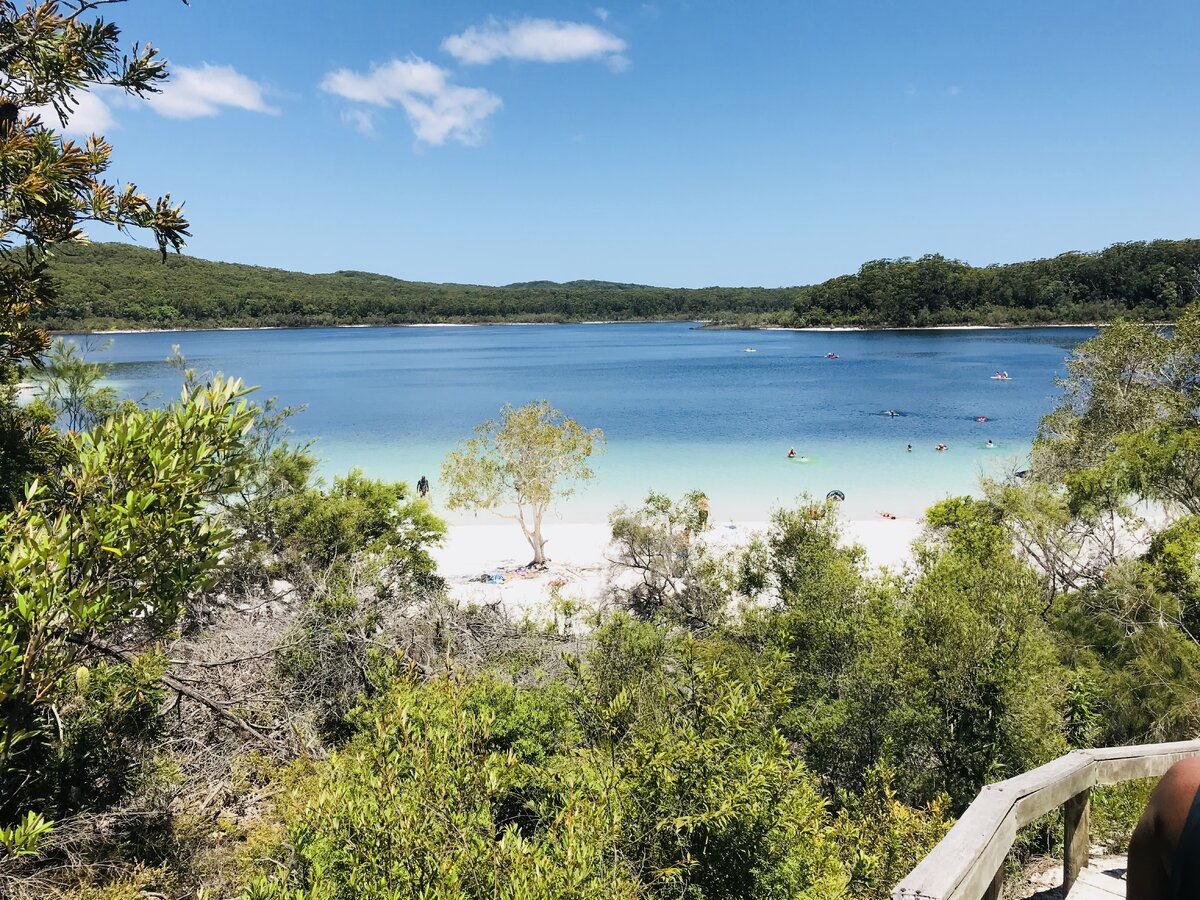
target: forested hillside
<point>117,285</point>
<point>1148,280</point>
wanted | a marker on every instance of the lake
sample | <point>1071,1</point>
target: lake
<point>681,407</point>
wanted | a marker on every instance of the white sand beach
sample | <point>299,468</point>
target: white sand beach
<point>579,559</point>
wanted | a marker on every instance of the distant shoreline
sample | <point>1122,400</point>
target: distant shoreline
<point>703,324</point>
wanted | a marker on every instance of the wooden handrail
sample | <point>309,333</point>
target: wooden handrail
<point>968,863</point>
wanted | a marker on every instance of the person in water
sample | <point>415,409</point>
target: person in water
<point>423,486</point>
<point>990,445</point>
<point>791,453</point>
<point>940,447</point>
<point>1164,852</point>
<point>910,448</point>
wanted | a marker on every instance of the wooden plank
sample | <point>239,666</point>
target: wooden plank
<point>1093,885</point>
<point>1190,747</point>
<point>1114,771</point>
<point>988,866</point>
<point>1076,842</point>
<point>1072,774</point>
<point>1117,764</point>
<point>952,860</point>
<point>995,890</point>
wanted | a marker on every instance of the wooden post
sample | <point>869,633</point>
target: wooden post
<point>1076,838</point>
<point>996,889</point>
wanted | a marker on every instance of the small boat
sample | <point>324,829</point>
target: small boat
<point>749,350</point>
<point>831,356</point>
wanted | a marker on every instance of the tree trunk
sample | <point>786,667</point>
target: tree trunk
<point>537,541</point>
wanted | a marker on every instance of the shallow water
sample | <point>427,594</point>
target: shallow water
<point>681,407</point>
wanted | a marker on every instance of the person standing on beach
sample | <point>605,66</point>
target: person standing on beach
<point>703,508</point>
<point>423,486</point>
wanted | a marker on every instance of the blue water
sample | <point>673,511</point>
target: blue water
<point>682,408</point>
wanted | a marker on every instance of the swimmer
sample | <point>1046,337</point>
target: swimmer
<point>990,445</point>
<point>910,448</point>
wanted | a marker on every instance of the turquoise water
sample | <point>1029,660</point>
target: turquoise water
<point>682,407</point>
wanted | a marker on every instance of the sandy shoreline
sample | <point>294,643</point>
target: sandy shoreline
<point>579,555</point>
<point>931,327</point>
<point>700,322</point>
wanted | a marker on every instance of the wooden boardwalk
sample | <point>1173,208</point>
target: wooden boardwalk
<point>1100,881</point>
<point>969,862</point>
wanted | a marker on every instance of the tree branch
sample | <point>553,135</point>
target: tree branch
<point>236,722</point>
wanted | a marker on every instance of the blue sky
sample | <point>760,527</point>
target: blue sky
<point>671,142</point>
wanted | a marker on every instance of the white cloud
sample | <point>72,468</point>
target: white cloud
<point>438,110</point>
<point>535,40</point>
<point>362,119</point>
<point>601,13</point>
<point>91,115</point>
<point>203,91</point>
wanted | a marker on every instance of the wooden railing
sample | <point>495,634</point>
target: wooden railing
<point>968,864</point>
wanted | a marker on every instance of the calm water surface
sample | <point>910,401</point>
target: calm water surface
<point>682,408</point>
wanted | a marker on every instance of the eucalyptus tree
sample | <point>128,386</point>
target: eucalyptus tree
<point>521,462</point>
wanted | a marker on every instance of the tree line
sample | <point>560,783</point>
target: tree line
<point>122,286</point>
<point>1144,280</point>
<point>119,285</point>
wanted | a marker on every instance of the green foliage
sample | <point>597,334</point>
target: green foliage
<point>883,837</point>
<point>109,715</point>
<point>409,809</point>
<point>1128,423</point>
<point>118,539</point>
<point>1124,441</point>
<point>22,839</point>
<point>117,285</point>
<point>1124,636</point>
<point>1152,280</point>
<point>1174,560</point>
<point>358,515</point>
<point>29,446</point>
<point>70,388</point>
<point>703,791</point>
<point>361,550</point>
<point>669,570</point>
<point>978,688</point>
<point>528,458</point>
<point>657,774</point>
<point>1116,809</point>
<point>951,671</point>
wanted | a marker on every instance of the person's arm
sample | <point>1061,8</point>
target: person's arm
<point>1146,876</point>
<point>1152,847</point>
